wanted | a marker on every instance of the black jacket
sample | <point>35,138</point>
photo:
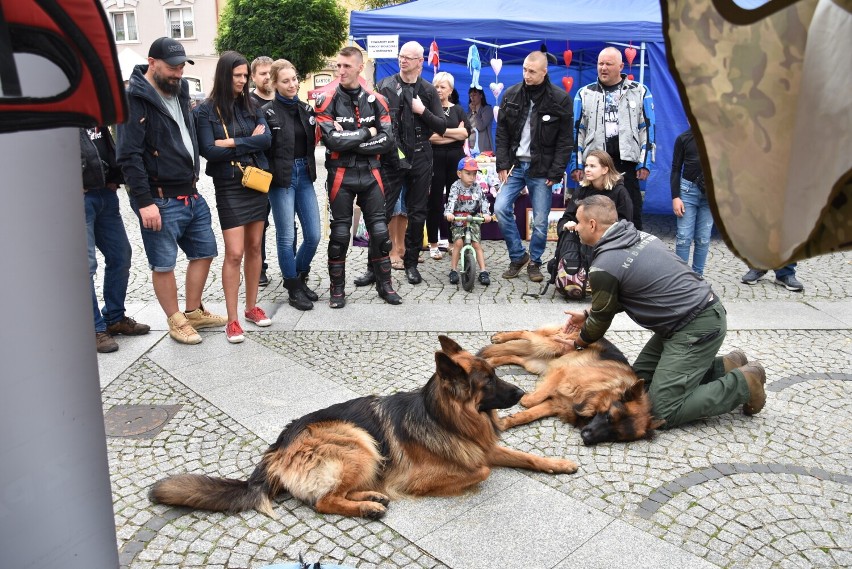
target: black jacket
<point>410,130</point>
<point>618,194</point>
<point>249,151</point>
<point>150,151</point>
<point>344,147</point>
<point>551,124</point>
<point>281,152</point>
<point>98,171</point>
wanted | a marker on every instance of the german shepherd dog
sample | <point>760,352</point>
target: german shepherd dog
<point>594,389</point>
<point>353,457</point>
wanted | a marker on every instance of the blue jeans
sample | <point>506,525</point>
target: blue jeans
<point>541,197</point>
<point>186,223</point>
<point>695,225</point>
<point>299,199</point>
<point>105,230</point>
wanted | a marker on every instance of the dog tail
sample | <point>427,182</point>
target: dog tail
<point>211,493</point>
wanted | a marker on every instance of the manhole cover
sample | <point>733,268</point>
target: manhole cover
<point>137,420</point>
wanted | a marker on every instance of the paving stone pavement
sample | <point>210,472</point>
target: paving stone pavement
<point>773,490</point>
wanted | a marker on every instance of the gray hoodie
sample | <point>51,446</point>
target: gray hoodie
<point>635,272</point>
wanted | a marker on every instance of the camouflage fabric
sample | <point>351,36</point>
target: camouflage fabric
<point>769,97</point>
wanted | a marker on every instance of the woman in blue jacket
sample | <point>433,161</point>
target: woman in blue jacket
<point>233,134</point>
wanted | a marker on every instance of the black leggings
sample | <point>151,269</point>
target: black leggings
<point>445,163</point>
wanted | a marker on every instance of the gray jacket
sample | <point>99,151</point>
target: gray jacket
<point>635,272</point>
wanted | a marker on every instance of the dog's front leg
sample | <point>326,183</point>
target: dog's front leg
<point>503,456</point>
<point>545,409</point>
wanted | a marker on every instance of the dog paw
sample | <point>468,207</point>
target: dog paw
<point>527,401</point>
<point>373,510</point>
<point>498,338</point>
<point>563,466</point>
<point>378,498</point>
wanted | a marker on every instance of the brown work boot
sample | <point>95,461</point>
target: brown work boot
<point>733,360</point>
<point>755,377</point>
<point>105,343</point>
<point>534,272</point>
<point>516,266</point>
<point>129,327</point>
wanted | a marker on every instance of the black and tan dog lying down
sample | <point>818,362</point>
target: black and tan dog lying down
<point>353,457</point>
<point>594,389</point>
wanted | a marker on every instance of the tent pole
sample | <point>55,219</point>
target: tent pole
<point>642,63</point>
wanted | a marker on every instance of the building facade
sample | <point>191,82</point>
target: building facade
<point>137,23</point>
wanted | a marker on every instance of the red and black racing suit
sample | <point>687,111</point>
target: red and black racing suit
<point>353,159</point>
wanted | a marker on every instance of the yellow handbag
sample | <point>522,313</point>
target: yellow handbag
<point>254,178</point>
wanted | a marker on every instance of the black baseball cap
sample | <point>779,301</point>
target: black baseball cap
<point>170,51</point>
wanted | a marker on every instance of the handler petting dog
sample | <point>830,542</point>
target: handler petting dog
<point>635,272</point>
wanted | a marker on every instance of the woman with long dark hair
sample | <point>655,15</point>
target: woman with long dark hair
<point>232,134</point>
<point>291,157</point>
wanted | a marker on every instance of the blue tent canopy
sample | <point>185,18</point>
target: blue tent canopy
<point>584,26</point>
<point>578,20</point>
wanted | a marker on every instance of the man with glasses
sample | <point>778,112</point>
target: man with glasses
<point>416,113</point>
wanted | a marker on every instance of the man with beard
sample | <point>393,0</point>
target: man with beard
<point>260,95</point>
<point>158,154</point>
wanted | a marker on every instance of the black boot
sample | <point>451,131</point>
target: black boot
<point>303,277</point>
<point>297,296</point>
<point>367,278</point>
<point>337,274</point>
<point>384,284</point>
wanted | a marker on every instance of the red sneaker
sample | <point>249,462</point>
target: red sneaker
<point>258,316</point>
<point>234,332</point>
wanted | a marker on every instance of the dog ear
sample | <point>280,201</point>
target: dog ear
<point>635,392</point>
<point>656,424</point>
<point>449,345</point>
<point>448,369</point>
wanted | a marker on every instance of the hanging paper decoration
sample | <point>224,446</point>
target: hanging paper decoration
<point>433,58</point>
<point>568,82</point>
<point>567,55</point>
<point>496,65</point>
<point>630,76</point>
<point>496,89</point>
<point>496,110</point>
<point>630,55</point>
<point>474,65</point>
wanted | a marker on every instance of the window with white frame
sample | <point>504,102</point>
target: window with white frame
<point>180,22</point>
<point>124,26</point>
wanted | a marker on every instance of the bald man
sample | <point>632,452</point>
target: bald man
<point>616,115</point>
<point>533,148</point>
<point>636,273</point>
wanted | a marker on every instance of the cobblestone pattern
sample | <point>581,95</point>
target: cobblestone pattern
<point>825,278</point>
<point>804,426</point>
<point>202,439</point>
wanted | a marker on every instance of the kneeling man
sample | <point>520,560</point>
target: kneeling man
<point>635,272</point>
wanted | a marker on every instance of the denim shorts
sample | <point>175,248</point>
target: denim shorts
<point>399,207</point>
<point>186,224</point>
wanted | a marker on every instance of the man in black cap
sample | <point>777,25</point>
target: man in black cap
<point>158,154</point>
